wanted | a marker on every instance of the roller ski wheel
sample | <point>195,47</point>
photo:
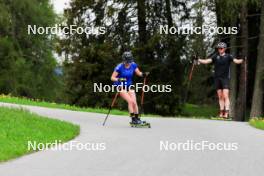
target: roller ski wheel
<point>140,124</point>
<point>228,118</point>
<point>222,118</point>
<point>146,125</point>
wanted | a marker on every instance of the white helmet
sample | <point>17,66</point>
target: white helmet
<point>221,45</point>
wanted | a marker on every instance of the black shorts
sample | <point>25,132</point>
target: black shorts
<point>222,83</point>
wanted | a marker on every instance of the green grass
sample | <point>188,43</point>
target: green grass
<point>203,111</point>
<point>18,126</point>
<point>26,101</point>
<point>257,123</point>
<point>189,110</point>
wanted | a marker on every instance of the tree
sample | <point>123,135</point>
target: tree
<point>241,99</point>
<point>90,58</point>
<point>257,102</point>
<point>142,24</point>
<point>28,63</point>
<point>200,45</point>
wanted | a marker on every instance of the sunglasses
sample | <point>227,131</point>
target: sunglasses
<point>221,48</point>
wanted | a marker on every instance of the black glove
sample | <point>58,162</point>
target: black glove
<point>195,58</point>
<point>122,79</point>
<point>240,56</point>
<point>145,74</point>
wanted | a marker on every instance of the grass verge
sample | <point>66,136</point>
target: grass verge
<point>202,111</point>
<point>257,123</point>
<point>27,101</point>
<point>189,110</point>
<point>18,126</point>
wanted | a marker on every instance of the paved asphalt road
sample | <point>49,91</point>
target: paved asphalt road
<point>136,152</point>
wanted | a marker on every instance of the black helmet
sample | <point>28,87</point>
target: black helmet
<point>221,45</point>
<point>127,57</point>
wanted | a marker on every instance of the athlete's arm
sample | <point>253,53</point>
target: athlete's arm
<point>141,74</point>
<point>205,61</point>
<point>238,61</point>
<point>114,76</point>
<point>138,72</point>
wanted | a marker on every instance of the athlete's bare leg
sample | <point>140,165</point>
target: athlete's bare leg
<point>132,95</point>
<point>226,102</point>
<point>221,101</point>
<point>125,95</point>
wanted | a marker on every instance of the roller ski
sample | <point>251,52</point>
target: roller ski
<point>223,115</point>
<point>222,118</point>
<point>137,123</point>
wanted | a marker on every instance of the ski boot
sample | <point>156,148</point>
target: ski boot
<point>223,115</point>
<point>219,116</point>
<point>226,115</point>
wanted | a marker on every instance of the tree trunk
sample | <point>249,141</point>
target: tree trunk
<point>168,13</point>
<point>241,99</point>
<point>257,102</point>
<point>142,31</point>
<point>233,81</point>
<point>142,24</point>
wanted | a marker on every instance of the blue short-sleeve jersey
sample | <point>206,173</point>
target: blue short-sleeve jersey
<point>124,72</point>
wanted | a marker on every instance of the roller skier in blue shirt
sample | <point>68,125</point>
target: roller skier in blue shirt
<point>122,77</point>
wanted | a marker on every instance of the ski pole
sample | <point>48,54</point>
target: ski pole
<point>110,108</point>
<point>142,95</point>
<point>191,73</point>
<point>245,87</point>
<point>189,80</point>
